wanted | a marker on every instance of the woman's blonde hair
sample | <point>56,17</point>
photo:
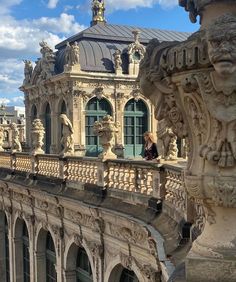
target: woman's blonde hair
<point>150,136</point>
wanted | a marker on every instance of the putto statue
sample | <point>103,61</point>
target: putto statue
<point>28,70</point>
<point>37,135</point>
<point>72,54</point>
<point>16,145</point>
<point>1,138</point>
<point>67,140</point>
<point>106,130</point>
<point>98,9</point>
<point>117,62</point>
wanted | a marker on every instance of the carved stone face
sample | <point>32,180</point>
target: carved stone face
<point>222,48</point>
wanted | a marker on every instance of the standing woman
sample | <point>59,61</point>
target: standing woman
<point>150,147</point>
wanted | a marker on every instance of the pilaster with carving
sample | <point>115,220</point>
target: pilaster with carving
<point>194,89</point>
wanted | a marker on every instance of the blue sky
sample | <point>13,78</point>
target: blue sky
<point>24,23</point>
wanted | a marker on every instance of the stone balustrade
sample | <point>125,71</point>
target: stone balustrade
<point>125,179</point>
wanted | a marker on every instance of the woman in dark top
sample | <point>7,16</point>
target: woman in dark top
<point>150,147</point>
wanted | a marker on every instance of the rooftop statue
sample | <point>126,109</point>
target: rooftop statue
<point>16,145</point>
<point>27,71</point>
<point>67,140</point>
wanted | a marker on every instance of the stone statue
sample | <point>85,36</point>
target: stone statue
<point>1,138</point>
<point>117,60</point>
<point>67,140</point>
<point>72,54</point>
<point>44,67</point>
<point>37,135</point>
<point>106,130</point>
<point>16,145</point>
<point>28,70</point>
<point>168,138</point>
<point>98,9</point>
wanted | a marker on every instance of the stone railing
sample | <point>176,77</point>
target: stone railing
<point>22,162</point>
<point>84,170</point>
<point>138,177</point>
<point>125,179</point>
<point>133,176</point>
<point>5,160</point>
<point>175,194</point>
<point>47,165</point>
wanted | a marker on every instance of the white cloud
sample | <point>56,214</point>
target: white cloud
<point>6,5</point>
<point>65,23</point>
<point>126,5</point>
<point>52,4</point>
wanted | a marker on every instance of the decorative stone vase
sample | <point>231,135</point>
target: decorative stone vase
<point>37,136</point>
<point>193,85</point>
<point>106,130</point>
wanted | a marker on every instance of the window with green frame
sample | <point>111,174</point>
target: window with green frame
<point>26,256</point>
<point>135,124</point>
<point>83,267</point>
<point>51,275</point>
<point>96,109</point>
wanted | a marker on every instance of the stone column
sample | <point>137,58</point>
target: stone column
<point>194,90</point>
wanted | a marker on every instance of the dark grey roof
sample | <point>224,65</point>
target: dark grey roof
<point>99,42</point>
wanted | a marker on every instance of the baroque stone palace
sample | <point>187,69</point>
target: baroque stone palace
<point>107,219</point>
<point>93,74</point>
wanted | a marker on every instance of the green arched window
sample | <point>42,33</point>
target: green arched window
<point>128,276</point>
<point>95,110</point>
<point>48,129</point>
<point>135,124</point>
<point>83,267</point>
<point>51,275</point>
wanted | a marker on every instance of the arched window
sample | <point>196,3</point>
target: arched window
<point>34,113</point>
<point>26,255</point>
<point>83,267</point>
<point>7,263</point>
<point>135,124</point>
<point>128,276</point>
<point>63,108</point>
<point>96,109</point>
<point>51,275</point>
<point>47,128</point>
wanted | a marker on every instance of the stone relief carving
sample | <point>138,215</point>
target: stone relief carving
<point>16,145</point>
<point>37,135</point>
<point>193,84</point>
<point>67,140</point>
<point>106,130</point>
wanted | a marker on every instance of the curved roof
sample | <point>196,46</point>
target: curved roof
<point>99,42</point>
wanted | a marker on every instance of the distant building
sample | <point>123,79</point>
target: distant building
<point>93,74</point>
<point>9,115</point>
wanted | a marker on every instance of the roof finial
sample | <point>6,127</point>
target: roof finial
<point>98,8</point>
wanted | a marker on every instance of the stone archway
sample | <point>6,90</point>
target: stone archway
<point>121,274</point>
<point>4,248</point>
<point>42,246</point>
<point>21,251</point>
<point>73,267</point>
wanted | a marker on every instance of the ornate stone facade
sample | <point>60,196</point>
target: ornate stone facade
<point>194,90</point>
